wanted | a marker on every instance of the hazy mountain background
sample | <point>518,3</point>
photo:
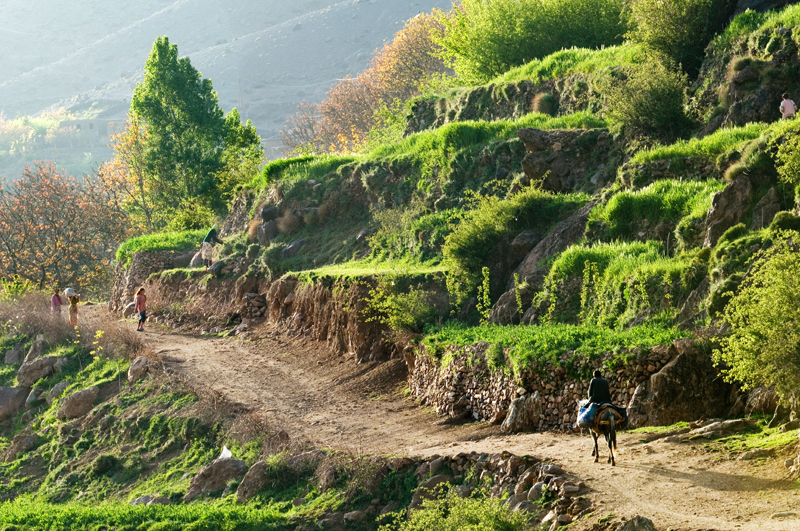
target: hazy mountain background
<point>264,56</point>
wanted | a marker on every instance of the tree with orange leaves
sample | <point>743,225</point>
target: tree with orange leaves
<point>57,231</point>
<point>341,122</point>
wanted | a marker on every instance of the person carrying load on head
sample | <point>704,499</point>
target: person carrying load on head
<point>599,391</point>
<point>207,249</point>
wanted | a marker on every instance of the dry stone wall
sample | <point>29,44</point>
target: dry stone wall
<point>681,374</point>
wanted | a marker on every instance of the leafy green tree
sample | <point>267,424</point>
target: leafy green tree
<point>190,144</point>
<point>763,347</point>
<point>680,29</point>
<point>483,39</point>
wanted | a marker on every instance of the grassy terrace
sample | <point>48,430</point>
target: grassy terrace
<point>371,267</point>
<point>542,345</point>
<point>751,22</point>
<point>161,241</point>
<point>573,61</point>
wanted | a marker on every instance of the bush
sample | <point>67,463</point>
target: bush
<point>765,325</point>
<point>785,221</point>
<point>679,29</point>
<point>191,216</point>
<point>647,100</point>
<point>484,39</point>
<point>787,157</point>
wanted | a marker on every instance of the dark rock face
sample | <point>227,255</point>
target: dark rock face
<point>728,208</point>
<point>215,476</point>
<point>687,388</point>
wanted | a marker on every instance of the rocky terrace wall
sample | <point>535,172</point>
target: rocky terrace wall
<point>662,385</point>
<point>143,264</point>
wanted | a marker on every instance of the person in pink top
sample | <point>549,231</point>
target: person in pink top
<point>788,107</point>
<point>141,308</point>
<point>56,302</point>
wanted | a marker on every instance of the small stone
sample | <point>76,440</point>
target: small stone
<point>161,500</point>
<point>142,500</point>
<point>297,502</point>
<point>355,516</point>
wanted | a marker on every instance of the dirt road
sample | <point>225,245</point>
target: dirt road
<point>303,388</point>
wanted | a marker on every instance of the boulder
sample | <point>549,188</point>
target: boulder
<point>142,500</point>
<point>429,489</point>
<point>138,369</point>
<point>30,373</point>
<point>78,404</point>
<point>269,213</point>
<point>293,249</point>
<point>637,523</point>
<point>217,267</point>
<point>506,310</point>
<point>728,208</point>
<point>36,350</point>
<point>161,500</point>
<point>14,355</point>
<point>524,414</point>
<point>215,476</point>
<point>266,232</point>
<point>129,310</point>
<point>23,442</point>
<point>57,390</point>
<point>355,516</point>
<point>685,389</point>
<point>524,242</point>
<point>196,261</point>
<point>690,308</point>
<point>765,210</point>
<point>181,260</point>
<point>12,399</point>
<point>254,480</point>
<point>762,400</point>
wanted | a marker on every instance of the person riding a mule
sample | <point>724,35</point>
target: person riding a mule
<point>601,416</point>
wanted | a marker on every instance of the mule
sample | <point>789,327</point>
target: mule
<point>605,423</point>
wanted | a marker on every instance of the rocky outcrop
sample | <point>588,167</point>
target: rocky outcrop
<point>57,390</point>
<point>215,476</point>
<point>765,210</point>
<point>763,400</point>
<point>138,369</point>
<point>36,350</point>
<point>564,161</point>
<point>12,399</point>
<point>238,218</point>
<point>687,388</point>
<point>78,404</point>
<point>14,355</point>
<point>23,442</point>
<point>524,414</point>
<point>728,208</point>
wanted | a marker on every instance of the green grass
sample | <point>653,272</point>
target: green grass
<point>27,515</point>
<point>754,437</point>
<point>751,22</point>
<point>292,170</point>
<point>661,429</point>
<point>542,345</point>
<point>161,241</point>
<point>574,61</point>
<point>662,201</point>
<point>721,141</point>
<point>371,267</point>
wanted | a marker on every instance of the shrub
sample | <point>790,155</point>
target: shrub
<point>484,39</point>
<point>787,157</point>
<point>765,325</point>
<point>191,216</point>
<point>545,103</point>
<point>785,221</point>
<point>679,29</point>
<point>647,100</point>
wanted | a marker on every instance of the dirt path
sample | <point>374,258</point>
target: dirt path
<point>303,388</point>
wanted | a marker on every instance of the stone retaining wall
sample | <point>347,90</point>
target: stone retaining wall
<point>128,279</point>
<point>681,377</point>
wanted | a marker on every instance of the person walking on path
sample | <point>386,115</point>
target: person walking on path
<point>207,248</point>
<point>599,392</point>
<point>788,107</point>
<point>73,309</point>
<point>141,308</point>
<point>56,302</point>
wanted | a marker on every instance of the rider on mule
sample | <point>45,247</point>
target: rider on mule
<point>599,392</point>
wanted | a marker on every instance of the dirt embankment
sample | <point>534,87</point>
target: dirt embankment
<point>301,386</point>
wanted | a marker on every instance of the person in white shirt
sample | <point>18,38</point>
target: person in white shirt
<point>788,107</point>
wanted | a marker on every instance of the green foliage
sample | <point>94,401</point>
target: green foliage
<point>679,29</point>
<point>484,296</point>
<point>473,243</point>
<point>404,306</point>
<point>647,99</point>
<point>189,141</point>
<point>484,39</point>
<point>354,269</point>
<point>753,24</point>
<point>763,347</point>
<point>544,345</point>
<point>292,170</point>
<point>453,513</point>
<point>14,287</point>
<point>574,61</point>
<point>409,230</point>
<point>190,216</point>
<point>667,201</point>
<point>785,221</point>
<point>787,159</point>
<point>161,241</point>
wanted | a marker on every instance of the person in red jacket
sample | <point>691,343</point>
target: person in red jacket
<point>141,308</point>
